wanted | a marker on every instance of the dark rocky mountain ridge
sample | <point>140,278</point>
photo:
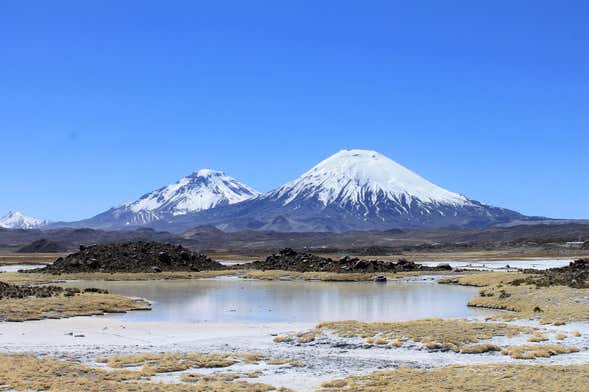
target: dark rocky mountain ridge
<point>209,238</point>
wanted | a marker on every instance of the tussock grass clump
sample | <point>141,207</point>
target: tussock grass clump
<point>480,348</point>
<point>83,304</point>
<point>289,362</point>
<point>499,378</point>
<point>534,351</point>
<point>195,377</point>
<point>537,337</point>
<point>434,334</point>
<point>171,362</point>
<point>205,382</point>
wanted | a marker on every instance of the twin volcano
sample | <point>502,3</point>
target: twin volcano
<point>351,190</point>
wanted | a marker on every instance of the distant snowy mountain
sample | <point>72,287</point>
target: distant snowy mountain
<point>202,190</point>
<point>351,190</point>
<point>18,220</point>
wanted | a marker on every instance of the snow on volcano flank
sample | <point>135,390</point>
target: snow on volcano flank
<point>361,179</point>
<point>351,190</point>
<point>18,220</point>
<point>202,190</point>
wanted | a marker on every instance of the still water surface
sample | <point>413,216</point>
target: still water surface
<point>244,301</point>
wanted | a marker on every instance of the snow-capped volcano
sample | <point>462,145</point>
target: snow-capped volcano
<point>351,190</point>
<point>361,179</point>
<point>18,220</point>
<point>202,190</point>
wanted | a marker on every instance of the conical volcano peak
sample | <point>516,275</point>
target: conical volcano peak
<point>365,177</point>
<point>202,190</point>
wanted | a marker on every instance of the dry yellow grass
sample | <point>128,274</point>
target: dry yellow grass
<point>331,276</point>
<point>561,336</point>
<point>480,348</point>
<point>27,373</point>
<point>173,362</point>
<point>236,257</point>
<point>537,337</point>
<point>533,351</point>
<point>84,304</point>
<point>551,305</point>
<point>32,278</point>
<point>484,279</point>
<point>497,378</point>
<point>216,384</point>
<point>290,362</point>
<point>24,278</point>
<point>195,377</point>
<point>38,278</point>
<point>29,258</point>
<point>503,291</point>
<point>434,334</point>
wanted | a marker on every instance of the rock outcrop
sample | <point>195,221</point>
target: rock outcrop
<point>136,256</point>
<point>290,260</point>
<point>576,275</point>
<point>17,291</point>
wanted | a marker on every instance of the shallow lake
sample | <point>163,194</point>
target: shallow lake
<point>228,300</point>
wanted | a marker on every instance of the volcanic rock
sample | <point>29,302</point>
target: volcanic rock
<point>290,260</point>
<point>136,256</point>
<point>576,275</point>
<point>17,291</point>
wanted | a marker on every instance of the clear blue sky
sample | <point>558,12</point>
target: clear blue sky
<point>102,101</point>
